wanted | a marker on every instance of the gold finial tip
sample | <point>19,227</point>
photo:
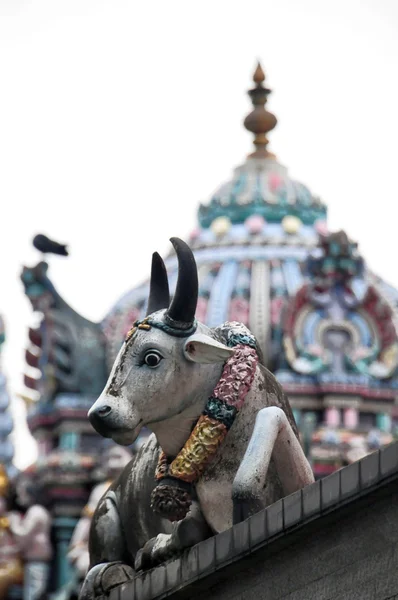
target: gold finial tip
<point>259,75</point>
<point>260,121</point>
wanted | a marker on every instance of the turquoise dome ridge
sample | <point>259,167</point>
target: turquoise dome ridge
<point>262,186</point>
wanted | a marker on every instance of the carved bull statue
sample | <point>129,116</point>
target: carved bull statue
<point>224,442</point>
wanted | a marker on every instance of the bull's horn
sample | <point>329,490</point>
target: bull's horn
<point>159,296</point>
<point>182,309</point>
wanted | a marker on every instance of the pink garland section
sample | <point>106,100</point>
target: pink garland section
<point>237,376</point>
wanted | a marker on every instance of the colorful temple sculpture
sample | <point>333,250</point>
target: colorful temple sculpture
<point>341,354</point>
<point>67,371</point>
<point>6,421</point>
<point>327,327</point>
<point>11,561</point>
<point>30,524</point>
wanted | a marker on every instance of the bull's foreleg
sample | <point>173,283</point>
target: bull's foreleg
<point>186,533</point>
<point>107,552</point>
<point>273,437</point>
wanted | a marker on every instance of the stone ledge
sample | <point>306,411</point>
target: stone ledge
<point>266,527</point>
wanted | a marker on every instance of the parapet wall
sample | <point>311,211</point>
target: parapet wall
<point>334,540</point>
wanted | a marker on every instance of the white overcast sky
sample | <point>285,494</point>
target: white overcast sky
<point>117,117</point>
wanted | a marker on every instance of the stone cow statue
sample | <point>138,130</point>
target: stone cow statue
<point>225,443</point>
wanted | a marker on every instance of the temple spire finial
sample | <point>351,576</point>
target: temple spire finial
<point>260,121</point>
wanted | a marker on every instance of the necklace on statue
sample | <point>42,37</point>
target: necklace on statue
<point>172,496</point>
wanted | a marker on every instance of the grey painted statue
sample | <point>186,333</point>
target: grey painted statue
<point>224,442</point>
<point>114,460</point>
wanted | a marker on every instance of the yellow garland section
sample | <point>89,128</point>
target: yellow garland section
<point>207,436</point>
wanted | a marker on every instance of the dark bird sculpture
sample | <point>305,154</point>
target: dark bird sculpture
<point>44,244</point>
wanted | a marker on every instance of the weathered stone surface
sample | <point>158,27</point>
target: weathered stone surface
<point>330,490</point>
<point>115,593</point>
<point>207,556</point>
<point>126,591</point>
<point>224,547</point>
<point>257,529</point>
<point>158,580</point>
<point>116,575</point>
<point>274,518</point>
<point>292,509</point>
<point>388,460</point>
<point>143,587</point>
<point>173,574</point>
<point>311,500</point>
<point>334,540</point>
<point>349,480</point>
<point>369,469</point>
<point>241,537</point>
<point>189,565</point>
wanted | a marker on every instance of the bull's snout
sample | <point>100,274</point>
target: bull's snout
<point>103,411</point>
<point>98,416</point>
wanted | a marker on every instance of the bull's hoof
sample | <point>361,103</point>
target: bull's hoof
<point>115,574</point>
<point>156,551</point>
<point>144,558</point>
<point>103,577</point>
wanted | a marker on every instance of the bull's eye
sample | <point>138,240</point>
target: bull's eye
<point>152,359</point>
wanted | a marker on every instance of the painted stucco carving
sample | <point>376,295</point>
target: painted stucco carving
<point>338,322</point>
<point>6,420</point>
<point>68,350</point>
<point>167,376</point>
<point>11,561</point>
<point>31,528</point>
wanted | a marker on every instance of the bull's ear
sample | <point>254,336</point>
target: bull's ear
<point>203,349</point>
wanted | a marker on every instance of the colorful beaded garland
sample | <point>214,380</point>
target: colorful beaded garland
<point>172,496</point>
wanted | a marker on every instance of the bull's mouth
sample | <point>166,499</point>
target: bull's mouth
<point>125,437</point>
<point>114,426</point>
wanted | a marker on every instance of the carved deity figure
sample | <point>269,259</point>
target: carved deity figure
<point>11,566</point>
<point>31,528</point>
<point>338,322</point>
<point>114,459</point>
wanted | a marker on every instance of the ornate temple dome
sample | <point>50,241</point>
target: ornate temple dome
<point>327,326</point>
<point>251,237</point>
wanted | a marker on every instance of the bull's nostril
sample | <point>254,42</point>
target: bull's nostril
<point>104,411</point>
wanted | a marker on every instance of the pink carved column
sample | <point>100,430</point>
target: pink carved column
<point>332,417</point>
<point>350,418</point>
